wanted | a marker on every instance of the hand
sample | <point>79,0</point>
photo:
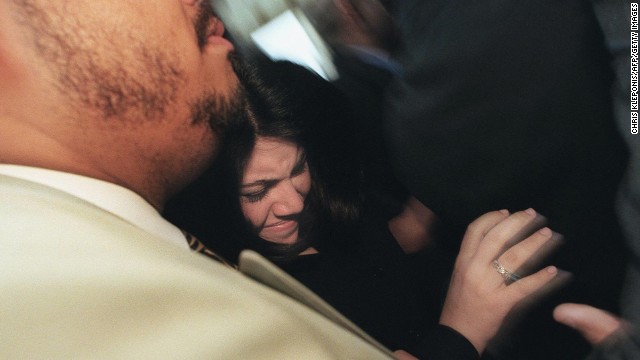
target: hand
<point>594,324</point>
<point>413,228</point>
<point>479,298</point>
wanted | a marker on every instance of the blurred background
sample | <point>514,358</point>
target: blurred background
<point>281,29</point>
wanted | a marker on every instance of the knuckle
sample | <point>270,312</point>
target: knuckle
<point>485,222</point>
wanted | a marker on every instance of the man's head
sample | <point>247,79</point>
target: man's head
<point>132,92</point>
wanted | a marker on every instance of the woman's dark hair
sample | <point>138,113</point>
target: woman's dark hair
<point>288,102</point>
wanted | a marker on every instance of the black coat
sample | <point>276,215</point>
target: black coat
<point>393,297</point>
<point>506,104</point>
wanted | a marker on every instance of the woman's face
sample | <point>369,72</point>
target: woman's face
<point>274,186</point>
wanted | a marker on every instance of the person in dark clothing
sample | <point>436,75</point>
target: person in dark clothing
<point>617,338</point>
<point>505,104</point>
<point>292,192</point>
<point>363,38</point>
<point>356,263</point>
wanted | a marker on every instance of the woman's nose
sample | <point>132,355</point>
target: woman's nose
<point>289,201</point>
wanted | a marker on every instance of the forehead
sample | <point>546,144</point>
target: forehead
<point>271,158</point>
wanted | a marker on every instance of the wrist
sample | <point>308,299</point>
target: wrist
<point>466,330</point>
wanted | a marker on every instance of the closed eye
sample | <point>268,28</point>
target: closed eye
<point>261,191</point>
<point>256,196</point>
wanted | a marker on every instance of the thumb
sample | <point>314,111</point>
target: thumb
<point>594,324</point>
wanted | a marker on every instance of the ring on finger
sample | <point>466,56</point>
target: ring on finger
<point>508,276</point>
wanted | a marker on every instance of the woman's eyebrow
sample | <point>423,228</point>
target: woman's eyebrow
<point>261,182</point>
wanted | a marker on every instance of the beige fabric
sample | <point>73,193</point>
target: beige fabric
<point>113,198</point>
<point>259,268</point>
<point>79,283</point>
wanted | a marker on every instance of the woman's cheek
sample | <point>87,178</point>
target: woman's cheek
<point>254,212</point>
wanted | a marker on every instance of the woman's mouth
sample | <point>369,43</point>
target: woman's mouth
<point>282,232</point>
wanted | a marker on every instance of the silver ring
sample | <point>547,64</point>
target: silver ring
<point>508,276</point>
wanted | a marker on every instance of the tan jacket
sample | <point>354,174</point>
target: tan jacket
<point>77,282</point>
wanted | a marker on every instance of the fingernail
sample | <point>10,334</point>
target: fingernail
<point>552,270</point>
<point>530,211</point>
<point>545,231</point>
<point>504,212</point>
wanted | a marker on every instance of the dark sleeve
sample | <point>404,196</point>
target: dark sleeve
<point>618,347</point>
<point>444,343</point>
<point>499,104</point>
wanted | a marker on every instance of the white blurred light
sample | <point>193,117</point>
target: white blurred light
<point>290,36</point>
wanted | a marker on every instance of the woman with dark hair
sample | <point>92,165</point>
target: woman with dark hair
<point>290,107</point>
<point>287,185</point>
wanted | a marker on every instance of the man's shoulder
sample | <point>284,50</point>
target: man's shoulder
<point>87,284</point>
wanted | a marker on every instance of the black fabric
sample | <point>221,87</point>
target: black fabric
<point>614,17</point>
<point>393,297</point>
<point>506,104</point>
<point>618,346</point>
<point>445,343</point>
<point>365,86</point>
